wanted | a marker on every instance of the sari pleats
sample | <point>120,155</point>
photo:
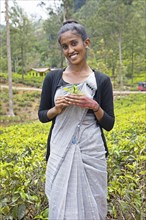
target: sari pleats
<point>76,177</point>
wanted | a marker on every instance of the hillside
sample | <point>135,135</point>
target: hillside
<point>23,169</point>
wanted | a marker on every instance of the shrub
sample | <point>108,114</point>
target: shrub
<point>126,160</point>
<point>23,165</point>
<point>23,170</point>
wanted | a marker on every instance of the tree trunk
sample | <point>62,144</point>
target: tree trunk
<point>132,63</point>
<point>113,75</point>
<point>10,113</point>
<point>23,62</point>
<point>121,63</point>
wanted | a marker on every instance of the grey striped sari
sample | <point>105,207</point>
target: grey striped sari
<point>76,176</point>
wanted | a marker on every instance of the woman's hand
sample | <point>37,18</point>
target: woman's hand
<point>78,100</point>
<point>60,104</point>
<point>82,101</point>
<point>85,102</point>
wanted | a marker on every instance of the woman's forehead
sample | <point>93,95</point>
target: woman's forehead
<point>69,35</point>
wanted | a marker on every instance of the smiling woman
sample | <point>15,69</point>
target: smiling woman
<point>79,102</point>
<point>74,48</point>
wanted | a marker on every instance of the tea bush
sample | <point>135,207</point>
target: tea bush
<point>33,81</point>
<point>126,168</point>
<point>36,81</point>
<point>23,170</point>
<point>23,165</point>
<point>25,105</point>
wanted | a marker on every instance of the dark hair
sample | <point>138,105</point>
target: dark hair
<point>72,25</point>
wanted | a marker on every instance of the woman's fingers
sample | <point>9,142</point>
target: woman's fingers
<point>74,98</point>
<point>80,100</point>
<point>61,102</point>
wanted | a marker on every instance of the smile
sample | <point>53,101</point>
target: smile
<point>72,56</point>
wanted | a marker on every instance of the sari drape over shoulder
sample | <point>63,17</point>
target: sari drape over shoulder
<point>76,176</point>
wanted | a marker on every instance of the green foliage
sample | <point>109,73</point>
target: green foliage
<point>78,4</point>
<point>73,90</point>
<point>23,171</point>
<point>23,165</point>
<point>23,48</point>
<point>116,29</point>
<point>37,81</point>
<point>120,28</point>
<point>126,166</point>
<point>51,28</point>
<point>25,105</point>
<point>34,81</point>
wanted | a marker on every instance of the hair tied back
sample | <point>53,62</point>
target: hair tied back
<point>69,22</point>
<point>72,25</point>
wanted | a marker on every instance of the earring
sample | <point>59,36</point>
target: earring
<point>87,47</point>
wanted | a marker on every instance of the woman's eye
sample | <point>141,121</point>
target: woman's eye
<point>64,47</point>
<point>74,43</point>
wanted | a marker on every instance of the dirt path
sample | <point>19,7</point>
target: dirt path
<point>20,88</point>
<point>115,92</point>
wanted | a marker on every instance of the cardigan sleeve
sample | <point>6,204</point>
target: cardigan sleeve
<point>45,102</point>
<point>106,103</point>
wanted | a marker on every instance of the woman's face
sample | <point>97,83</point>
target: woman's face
<point>74,48</point>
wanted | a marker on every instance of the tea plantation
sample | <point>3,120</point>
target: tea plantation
<point>23,165</point>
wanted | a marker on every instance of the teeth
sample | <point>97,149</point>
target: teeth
<point>74,55</point>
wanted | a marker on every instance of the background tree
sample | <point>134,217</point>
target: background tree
<point>118,26</point>
<point>78,4</point>
<point>67,6</point>
<point>51,27</point>
<point>116,29</point>
<point>11,112</point>
<point>3,49</point>
<point>23,40</point>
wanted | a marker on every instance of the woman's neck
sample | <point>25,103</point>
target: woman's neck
<point>76,74</point>
<point>78,70</point>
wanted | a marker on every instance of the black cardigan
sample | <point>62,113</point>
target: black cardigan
<point>103,95</point>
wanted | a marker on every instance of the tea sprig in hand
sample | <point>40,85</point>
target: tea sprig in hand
<point>73,90</point>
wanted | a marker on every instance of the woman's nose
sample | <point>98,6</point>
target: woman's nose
<point>70,49</point>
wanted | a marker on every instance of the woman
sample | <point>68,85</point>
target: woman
<point>79,102</point>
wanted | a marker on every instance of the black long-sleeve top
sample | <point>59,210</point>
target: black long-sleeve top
<point>103,95</point>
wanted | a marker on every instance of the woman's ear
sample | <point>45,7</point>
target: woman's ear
<point>87,43</point>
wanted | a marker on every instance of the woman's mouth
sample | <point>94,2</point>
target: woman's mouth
<point>73,56</point>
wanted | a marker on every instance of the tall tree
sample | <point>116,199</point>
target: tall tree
<point>120,24</point>
<point>3,52</point>
<point>51,27</point>
<point>50,52</point>
<point>11,112</point>
<point>78,4</point>
<point>67,9</point>
<point>22,30</point>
